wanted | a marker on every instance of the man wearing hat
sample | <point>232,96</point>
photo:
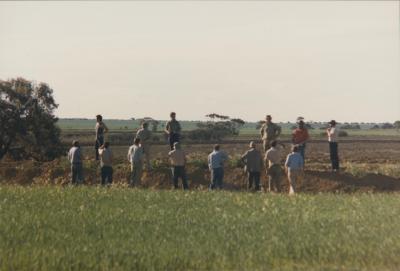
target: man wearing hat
<point>254,162</point>
<point>333,136</point>
<point>300,137</point>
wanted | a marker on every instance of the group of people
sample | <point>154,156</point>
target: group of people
<point>253,159</point>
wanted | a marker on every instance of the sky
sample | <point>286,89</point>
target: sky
<point>318,59</point>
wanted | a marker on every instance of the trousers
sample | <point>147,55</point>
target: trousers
<point>179,172</point>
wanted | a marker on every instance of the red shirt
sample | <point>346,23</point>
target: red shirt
<point>300,135</point>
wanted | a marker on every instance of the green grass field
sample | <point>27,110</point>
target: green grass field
<point>87,228</point>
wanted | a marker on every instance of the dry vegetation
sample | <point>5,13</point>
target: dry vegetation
<point>366,167</point>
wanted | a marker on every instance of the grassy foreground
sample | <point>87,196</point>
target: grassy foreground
<point>86,228</point>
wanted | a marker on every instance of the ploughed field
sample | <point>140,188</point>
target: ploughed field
<point>95,228</point>
<point>350,150</point>
<point>367,165</point>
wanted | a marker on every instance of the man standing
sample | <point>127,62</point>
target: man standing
<point>294,167</point>
<point>178,162</point>
<point>75,158</point>
<point>173,130</point>
<point>333,136</point>
<point>274,169</point>
<point>253,160</point>
<point>269,132</point>
<point>300,136</point>
<point>144,135</point>
<point>101,129</point>
<point>106,158</point>
<point>216,161</point>
<point>135,157</point>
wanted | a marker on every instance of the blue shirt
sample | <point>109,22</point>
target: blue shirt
<point>294,161</point>
<point>216,159</point>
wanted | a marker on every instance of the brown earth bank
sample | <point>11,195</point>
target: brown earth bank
<point>313,181</point>
<point>381,152</point>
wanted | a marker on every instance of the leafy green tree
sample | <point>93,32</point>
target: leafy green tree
<point>27,120</point>
<point>396,124</point>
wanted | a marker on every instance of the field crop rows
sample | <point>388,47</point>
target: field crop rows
<point>84,228</point>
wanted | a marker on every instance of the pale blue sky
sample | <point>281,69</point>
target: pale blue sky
<point>321,60</point>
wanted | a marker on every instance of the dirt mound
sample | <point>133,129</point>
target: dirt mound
<point>313,181</point>
<point>318,181</point>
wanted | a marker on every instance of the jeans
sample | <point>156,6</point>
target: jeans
<point>217,177</point>
<point>136,173</point>
<point>172,139</point>
<point>77,173</point>
<point>99,142</point>
<point>254,177</point>
<point>106,175</point>
<point>179,172</point>
<point>333,149</point>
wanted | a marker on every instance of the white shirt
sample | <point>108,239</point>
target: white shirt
<point>135,154</point>
<point>273,156</point>
<point>333,134</point>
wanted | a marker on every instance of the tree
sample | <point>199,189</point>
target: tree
<point>154,123</point>
<point>218,127</point>
<point>27,120</point>
<point>396,124</point>
<point>387,126</point>
<point>259,124</point>
<point>349,126</point>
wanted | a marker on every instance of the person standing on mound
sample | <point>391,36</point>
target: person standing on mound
<point>333,136</point>
<point>300,137</point>
<point>100,129</point>
<point>269,132</point>
<point>173,130</point>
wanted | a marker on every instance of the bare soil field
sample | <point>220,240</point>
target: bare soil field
<point>367,166</point>
<point>359,151</point>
